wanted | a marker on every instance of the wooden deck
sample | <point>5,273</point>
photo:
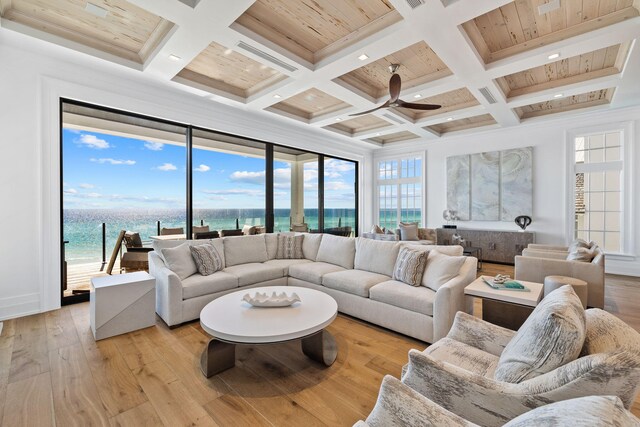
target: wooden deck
<point>79,275</point>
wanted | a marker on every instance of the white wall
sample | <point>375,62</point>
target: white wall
<point>550,166</point>
<point>33,76</point>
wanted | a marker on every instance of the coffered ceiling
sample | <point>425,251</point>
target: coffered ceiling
<point>489,63</point>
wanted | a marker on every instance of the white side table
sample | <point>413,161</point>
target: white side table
<point>122,303</point>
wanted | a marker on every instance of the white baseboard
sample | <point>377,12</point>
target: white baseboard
<point>0,329</point>
<point>22,305</point>
<point>624,268</point>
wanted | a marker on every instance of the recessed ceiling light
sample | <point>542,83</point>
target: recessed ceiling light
<point>554,56</point>
<point>338,119</point>
<point>228,52</point>
<point>417,96</point>
<point>363,57</point>
<point>98,11</point>
<point>174,57</point>
<point>276,96</point>
<point>449,119</point>
<point>558,95</point>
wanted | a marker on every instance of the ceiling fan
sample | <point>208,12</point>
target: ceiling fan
<point>395,84</point>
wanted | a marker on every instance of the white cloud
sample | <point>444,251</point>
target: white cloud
<point>86,186</point>
<point>336,186</point>
<point>235,192</point>
<point>167,167</point>
<point>114,161</point>
<point>153,146</point>
<point>71,191</point>
<point>94,195</point>
<point>249,177</point>
<point>92,141</point>
<point>202,168</point>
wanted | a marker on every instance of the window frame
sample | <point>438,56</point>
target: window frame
<point>397,182</point>
<point>627,230</point>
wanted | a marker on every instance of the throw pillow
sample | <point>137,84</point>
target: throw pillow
<point>410,266</point>
<point>180,261</point>
<point>593,411</point>
<point>408,231</point>
<point>551,336</point>
<point>582,254</point>
<point>207,259</point>
<point>440,269</point>
<point>376,229</point>
<point>248,230</point>
<point>289,247</point>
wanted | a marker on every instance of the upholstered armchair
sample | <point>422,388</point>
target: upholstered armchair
<point>457,372</point>
<point>400,406</point>
<point>539,261</point>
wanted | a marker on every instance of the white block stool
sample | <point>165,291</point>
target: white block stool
<point>122,303</point>
<point>551,283</point>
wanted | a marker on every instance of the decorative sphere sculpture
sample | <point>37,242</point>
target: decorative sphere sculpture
<point>523,221</point>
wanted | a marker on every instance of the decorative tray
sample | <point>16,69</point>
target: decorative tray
<point>262,299</point>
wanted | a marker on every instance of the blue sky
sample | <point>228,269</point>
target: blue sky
<point>106,171</point>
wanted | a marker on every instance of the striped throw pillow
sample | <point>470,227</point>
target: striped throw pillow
<point>207,259</point>
<point>410,266</point>
<point>289,247</point>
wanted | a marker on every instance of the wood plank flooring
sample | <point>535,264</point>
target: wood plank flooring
<point>52,372</point>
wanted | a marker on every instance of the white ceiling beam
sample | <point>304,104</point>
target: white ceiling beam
<point>466,10</point>
<point>463,113</point>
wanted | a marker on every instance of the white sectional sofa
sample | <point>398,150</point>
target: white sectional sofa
<point>356,272</point>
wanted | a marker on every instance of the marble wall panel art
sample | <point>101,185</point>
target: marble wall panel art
<point>458,190</point>
<point>516,174</point>
<point>485,186</point>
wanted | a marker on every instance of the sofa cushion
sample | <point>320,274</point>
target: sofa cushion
<point>245,249</point>
<point>207,259</point>
<point>551,336</point>
<point>313,271</point>
<point>464,356</point>
<point>179,260</point>
<point>310,245</point>
<point>158,245</point>
<point>376,256</point>
<point>337,250</point>
<point>440,269</point>
<point>357,282</point>
<point>198,285</point>
<point>249,274</point>
<point>271,242</point>
<point>408,231</point>
<point>582,254</point>
<point>608,334</point>
<point>592,411</point>
<point>398,294</point>
<point>451,250</point>
<point>409,267</point>
<point>289,247</point>
<point>285,264</point>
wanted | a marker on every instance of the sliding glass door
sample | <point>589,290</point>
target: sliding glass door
<point>128,179</point>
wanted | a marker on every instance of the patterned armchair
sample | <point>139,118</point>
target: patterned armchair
<point>400,406</point>
<point>457,371</point>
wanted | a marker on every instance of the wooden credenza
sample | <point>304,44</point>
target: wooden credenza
<point>497,245</point>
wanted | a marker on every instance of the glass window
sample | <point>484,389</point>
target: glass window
<point>399,191</point>
<point>339,197</point>
<point>598,189</point>
<point>228,181</point>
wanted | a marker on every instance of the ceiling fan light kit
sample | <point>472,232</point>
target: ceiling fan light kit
<point>395,85</point>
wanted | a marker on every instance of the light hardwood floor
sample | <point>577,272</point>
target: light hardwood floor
<point>52,372</point>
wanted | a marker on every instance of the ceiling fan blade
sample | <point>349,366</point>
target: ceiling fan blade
<point>385,105</point>
<point>414,106</point>
<point>395,84</point>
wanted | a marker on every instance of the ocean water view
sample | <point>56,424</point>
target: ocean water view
<point>83,227</point>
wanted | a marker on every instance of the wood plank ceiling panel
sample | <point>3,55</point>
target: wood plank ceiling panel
<point>311,103</point>
<point>360,124</point>
<point>599,63</point>
<point>570,103</point>
<point>127,31</point>
<point>418,64</point>
<point>395,137</point>
<point>305,27</point>
<point>462,124</point>
<point>517,26</point>
<point>450,101</point>
<point>226,69</point>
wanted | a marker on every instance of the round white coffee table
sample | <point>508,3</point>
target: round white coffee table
<point>232,321</point>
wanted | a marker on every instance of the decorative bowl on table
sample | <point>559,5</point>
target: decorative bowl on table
<point>501,278</point>
<point>263,299</point>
